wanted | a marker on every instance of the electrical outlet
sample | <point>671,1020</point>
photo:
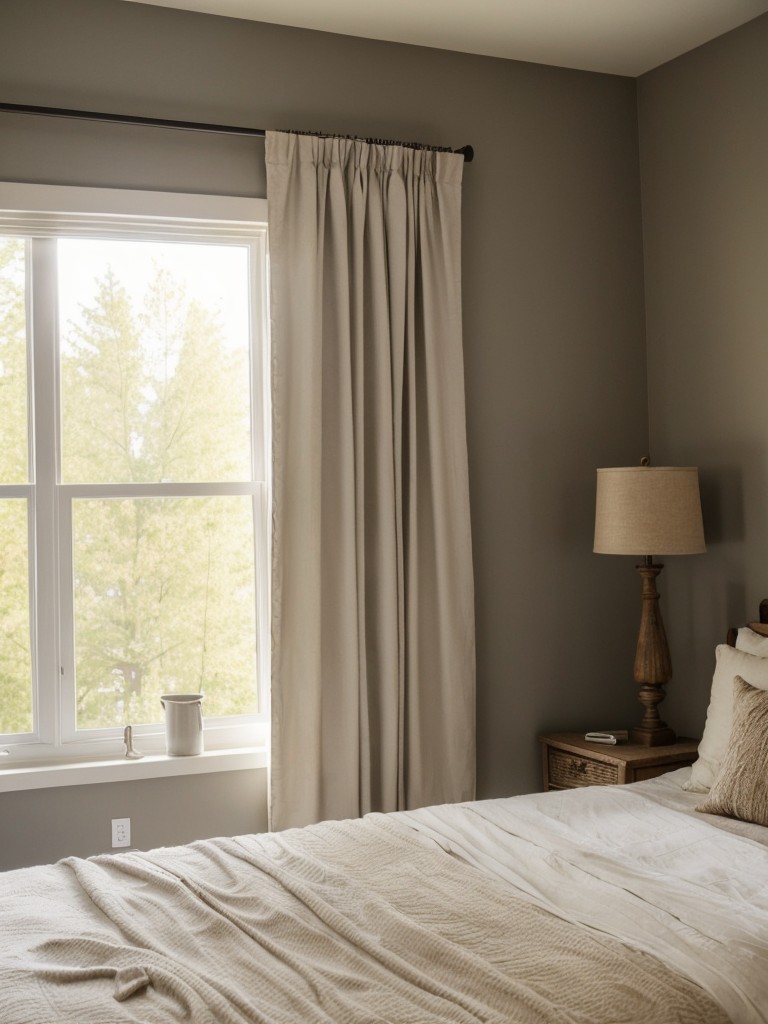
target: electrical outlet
<point>121,832</point>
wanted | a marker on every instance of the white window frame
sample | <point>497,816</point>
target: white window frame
<point>45,211</point>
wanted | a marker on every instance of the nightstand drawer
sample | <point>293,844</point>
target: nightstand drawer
<point>570,761</point>
<point>567,770</point>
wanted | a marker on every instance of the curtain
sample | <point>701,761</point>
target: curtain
<point>373,661</point>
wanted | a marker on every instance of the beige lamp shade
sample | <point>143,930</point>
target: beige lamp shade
<point>648,510</point>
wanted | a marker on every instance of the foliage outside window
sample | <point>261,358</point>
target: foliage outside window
<point>132,492</point>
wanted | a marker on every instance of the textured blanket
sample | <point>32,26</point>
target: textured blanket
<point>342,922</point>
<point>635,862</point>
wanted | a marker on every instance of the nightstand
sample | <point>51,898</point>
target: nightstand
<point>569,761</point>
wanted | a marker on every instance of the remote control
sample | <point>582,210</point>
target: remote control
<point>602,737</point>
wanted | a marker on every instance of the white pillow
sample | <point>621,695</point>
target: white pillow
<point>751,642</point>
<point>714,743</point>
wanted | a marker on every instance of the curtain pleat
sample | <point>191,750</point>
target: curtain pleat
<point>373,658</point>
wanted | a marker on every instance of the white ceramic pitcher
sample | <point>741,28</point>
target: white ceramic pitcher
<point>183,723</point>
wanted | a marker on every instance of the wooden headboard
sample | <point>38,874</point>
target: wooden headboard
<point>760,627</point>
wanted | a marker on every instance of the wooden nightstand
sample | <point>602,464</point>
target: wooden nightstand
<point>569,761</point>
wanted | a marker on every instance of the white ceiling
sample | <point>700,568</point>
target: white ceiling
<point>624,37</point>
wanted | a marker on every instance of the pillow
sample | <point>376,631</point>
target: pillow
<point>751,642</point>
<point>741,788</point>
<point>717,731</point>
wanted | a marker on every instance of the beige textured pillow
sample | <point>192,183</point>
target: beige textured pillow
<point>714,743</point>
<point>741,788</point>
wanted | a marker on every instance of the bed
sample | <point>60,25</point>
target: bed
<point>602,904</point>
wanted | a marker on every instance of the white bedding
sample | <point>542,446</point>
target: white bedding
<point>638,863</point>
<point>595,906</point>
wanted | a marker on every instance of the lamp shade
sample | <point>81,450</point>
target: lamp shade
<point>648,510</point>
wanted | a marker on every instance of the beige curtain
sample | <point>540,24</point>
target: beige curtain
<point>373,670</point>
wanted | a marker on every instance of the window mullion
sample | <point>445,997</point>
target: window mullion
<point>43,294</point>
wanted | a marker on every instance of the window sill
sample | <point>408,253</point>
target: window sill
<point>151,766</point>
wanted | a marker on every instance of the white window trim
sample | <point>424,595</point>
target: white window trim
<point>106,212</point>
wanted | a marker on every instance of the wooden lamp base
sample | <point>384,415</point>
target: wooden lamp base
<point>653,665</point>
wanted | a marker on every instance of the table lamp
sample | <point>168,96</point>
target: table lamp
<point>642,509</point>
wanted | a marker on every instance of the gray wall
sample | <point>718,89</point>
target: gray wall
<point>703,122</point>
<point>43,825</point>
<point>553,290</point>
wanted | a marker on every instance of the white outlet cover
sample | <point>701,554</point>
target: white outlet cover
<point>121,832</point>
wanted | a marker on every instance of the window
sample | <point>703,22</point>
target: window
<point>133,499</point>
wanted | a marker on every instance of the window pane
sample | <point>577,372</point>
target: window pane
<point>164,602</point>
<point>15,661</point>
<point>155,372</point>
<point>13,362</point>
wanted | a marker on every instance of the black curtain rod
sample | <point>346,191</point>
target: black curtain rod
<point>160,122</point>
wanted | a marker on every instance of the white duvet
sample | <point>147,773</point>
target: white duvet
<point>462,913</point>
<point>638,863</point>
